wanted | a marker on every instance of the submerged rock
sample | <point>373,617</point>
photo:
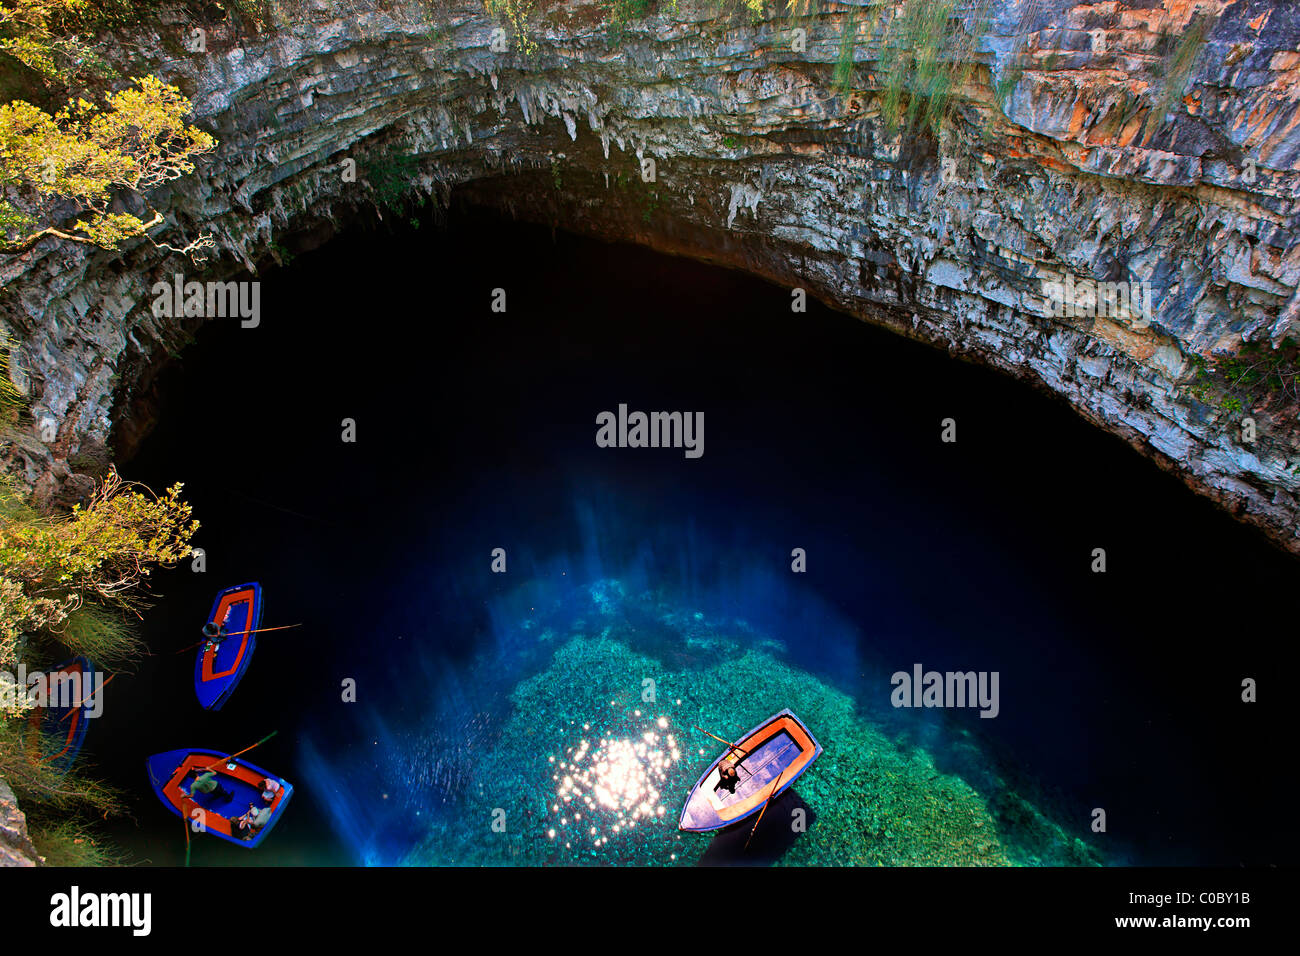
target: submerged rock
<point>597,751</point>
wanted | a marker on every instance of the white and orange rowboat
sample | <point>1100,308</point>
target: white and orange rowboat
<point>768,760</point>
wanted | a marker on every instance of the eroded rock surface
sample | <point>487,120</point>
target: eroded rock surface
<point>1088,142</point>
<point>16,848</point>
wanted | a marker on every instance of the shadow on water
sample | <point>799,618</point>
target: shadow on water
<point>776,833</point>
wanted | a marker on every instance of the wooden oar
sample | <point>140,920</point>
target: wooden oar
<point>76,707</point>
<point>244,751</point>
<point>185,800</point>
<point>256,630</point>
<point>765,803</point>
<point>720,740</point>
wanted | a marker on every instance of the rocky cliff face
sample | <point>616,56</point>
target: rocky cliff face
<point>1150,144</point>
<point>16,848</point>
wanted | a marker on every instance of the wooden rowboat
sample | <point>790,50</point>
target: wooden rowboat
<point>221,665</point>
<point>241,785</point>
<point>768,760</point>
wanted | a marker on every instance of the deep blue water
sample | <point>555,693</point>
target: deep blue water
<point>476,430</point>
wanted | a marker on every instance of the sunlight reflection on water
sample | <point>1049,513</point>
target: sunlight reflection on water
<point>606,787</point>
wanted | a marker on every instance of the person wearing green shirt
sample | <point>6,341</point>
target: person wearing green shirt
<point>206,783</point>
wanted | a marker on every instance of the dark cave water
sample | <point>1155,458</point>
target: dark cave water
<point>476,430</point>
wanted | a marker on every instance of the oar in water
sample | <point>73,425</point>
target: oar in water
<point>241,753</point>
<point>256,630</point>
<point>721,740</point>
<point>775,785</point>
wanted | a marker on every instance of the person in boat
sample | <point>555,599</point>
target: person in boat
<point>728,777</point>
<point>207,783</point>
<point>253,820</point>
<point>269,789</point>
<point>216,633</point>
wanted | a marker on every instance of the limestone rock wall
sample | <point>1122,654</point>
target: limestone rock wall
<point>1087,141</point>
<point>16,848</point>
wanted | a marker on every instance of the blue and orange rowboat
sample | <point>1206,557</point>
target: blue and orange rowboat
<point>62,722</point>
<point>772,755</point>
<point>221,666</point>
<point>240,783</point>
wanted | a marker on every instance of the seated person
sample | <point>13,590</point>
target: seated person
<point>728,777</point>
<point>253,820</point>
<point>269,789</point>
<point>216,633</point>
<point>207,783</point>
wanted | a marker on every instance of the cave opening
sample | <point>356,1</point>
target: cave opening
<point>476,430</point>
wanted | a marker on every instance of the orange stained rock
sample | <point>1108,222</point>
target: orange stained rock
<point>1103,8</point>
<point>1076,121</point>
<point>1280,138</point>
<point>1131,130</point>
<point>1137,345</point>
<point>1184,10</point>
<point>1174,17</point>
<point>1257,121</point>
<point>1050,162</point>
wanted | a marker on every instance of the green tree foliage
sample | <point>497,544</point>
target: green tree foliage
<point>63,173</point>
<point>1256,376</point>
<point>516,13</point>
<point>83,154</point>
<point>41,35</point>
<point>66,583</point>
<point>61,576</point>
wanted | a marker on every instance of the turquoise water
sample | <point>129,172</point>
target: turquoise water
<point>588,750</point>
